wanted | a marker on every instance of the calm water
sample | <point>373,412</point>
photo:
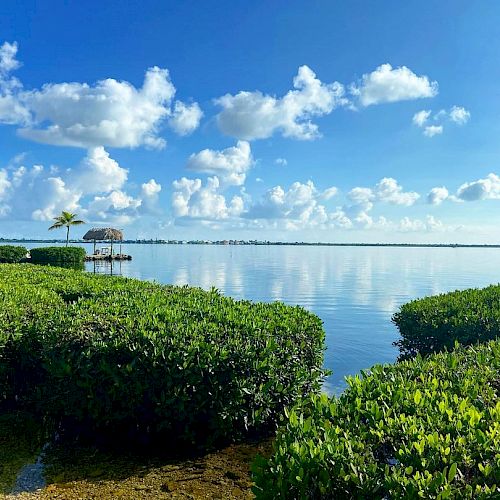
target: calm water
<point>353,290</point>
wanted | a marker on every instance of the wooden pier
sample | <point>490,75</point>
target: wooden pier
<point>104,257</point>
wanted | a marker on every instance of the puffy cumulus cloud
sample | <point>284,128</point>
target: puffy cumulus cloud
<point>116,206</point>
<point>151,188</point>
<point>363,199</point>
<point>94,189</point>
<point>329,192</point>
<point>191,199</point>
<point>387,190</point>
<point>433,130</point>
<point>281,161</point>
<point>150,192</point>
<point>8,61</point>
<point>98,173</point>
<point>481,189</point>
<point>108,113</point>
<point>254,115</point>
<point>4,183</point>
<point>388,84</point>
<point>456,114</point>
<point>429,224</point>
<point>185,118</point>
<point>34,193</point>
<point>11,110</point>
<point>299,207</point>
<point>296,208</point>
<point>459,115</point>
<point>420,118</point>
<point>53,195</point>
<point>230,165</point>
<point>437,195</point>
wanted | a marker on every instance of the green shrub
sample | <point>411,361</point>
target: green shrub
<point>434,323</point>
<point>49,255</point>
<point>12,254</point>
<point>422,428</point>
<point>120,354</point>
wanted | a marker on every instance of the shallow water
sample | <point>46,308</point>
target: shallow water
<point>354,290</point>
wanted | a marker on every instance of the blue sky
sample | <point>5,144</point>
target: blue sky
<point>315,121</point>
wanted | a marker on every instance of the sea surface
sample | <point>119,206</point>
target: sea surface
<point>354,290</point>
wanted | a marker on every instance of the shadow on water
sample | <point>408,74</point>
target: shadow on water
<point>22,440</point>
<point>31,457</point>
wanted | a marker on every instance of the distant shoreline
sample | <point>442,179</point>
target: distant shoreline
<point>264,243</point>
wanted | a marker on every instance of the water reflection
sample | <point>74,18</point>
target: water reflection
<point>109,267</point>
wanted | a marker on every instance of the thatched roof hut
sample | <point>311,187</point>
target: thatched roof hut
<point>103,234</point>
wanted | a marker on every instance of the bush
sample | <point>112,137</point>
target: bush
<point>49,255</point>
<point>435,323</point>
<point>120,354</point>
<point>423,428</point>
<point>12,254</point>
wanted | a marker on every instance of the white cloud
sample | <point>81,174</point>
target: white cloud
<point>117,206</point>
<point>296,208</point>
<point>108,113</point>
<point>185,118</point>
<point>411,225</point>
<point>459,115</point>
<point>281,161</point>
<point>433,130</point>
<point>456,114</point>
<point>11,110</point>
<point>329,193</point>
<point>193,200</point>
<point>363,200</point>
<point>254,115</point>
<point>481,189</point>
<point>150,192</point>
<point>230,165</point>
<point>8,61</point>
<point>98,173</point>
<point>34,193</point>
<point>40,194</point>
<point>151,188</point>
<point>437,195</point>
<point>388,84</point>
<point>4,183</point>
<point>387,190</point>
<point>420,118</point>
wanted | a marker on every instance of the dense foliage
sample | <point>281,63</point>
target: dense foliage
<point>423,428</point>
<point>49,255</point>
<point>434,323</point>
<point>12,254</point>
<point>120,354</point>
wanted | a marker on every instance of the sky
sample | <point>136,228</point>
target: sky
<point>286,120</point>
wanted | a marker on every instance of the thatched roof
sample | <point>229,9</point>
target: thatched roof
<point>103,233</point>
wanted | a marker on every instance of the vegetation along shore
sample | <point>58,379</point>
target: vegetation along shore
<point>221,398</point>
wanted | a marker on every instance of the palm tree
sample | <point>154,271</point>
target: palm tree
<point>66,219</point>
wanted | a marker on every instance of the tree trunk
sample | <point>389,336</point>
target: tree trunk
<point>67,235</point>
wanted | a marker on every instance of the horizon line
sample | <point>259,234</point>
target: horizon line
<point>236,242</point>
